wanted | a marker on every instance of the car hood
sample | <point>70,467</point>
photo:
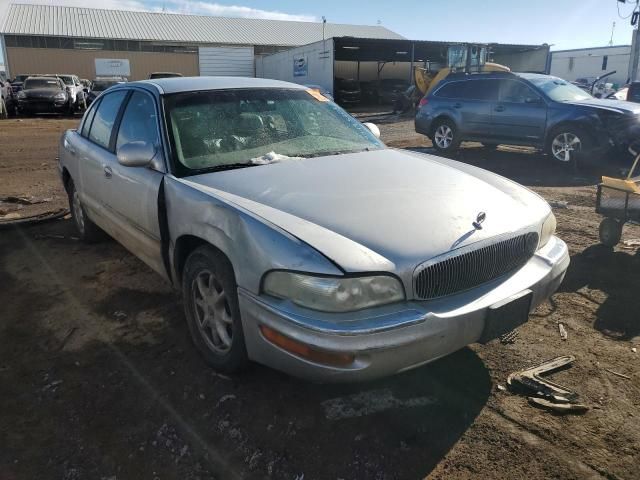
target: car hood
<point>42,93</point>
<point>379,210</point>
<point>619,106</point>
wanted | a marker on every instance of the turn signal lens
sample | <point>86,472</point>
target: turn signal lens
<point>305,351</point>
<point>423,102</point>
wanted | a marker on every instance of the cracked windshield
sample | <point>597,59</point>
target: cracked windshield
<point>273,239</point>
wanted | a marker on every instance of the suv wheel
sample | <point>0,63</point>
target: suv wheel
<point>566,143</point>
<point>445,137</point>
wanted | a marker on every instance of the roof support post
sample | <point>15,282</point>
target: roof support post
<point>413,53</point>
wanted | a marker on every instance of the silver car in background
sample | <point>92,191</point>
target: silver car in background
<point>297,238</point>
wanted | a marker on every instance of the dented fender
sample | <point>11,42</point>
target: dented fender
<point>253,245</point>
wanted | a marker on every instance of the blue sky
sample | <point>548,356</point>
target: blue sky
<point>561,23</point>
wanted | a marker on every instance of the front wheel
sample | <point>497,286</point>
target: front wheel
<point>445,137</point>
<point>610,232</point>
<point>212,310</point>
<point>566,144</point>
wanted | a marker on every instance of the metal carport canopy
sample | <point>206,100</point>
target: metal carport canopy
<point>390,50</point>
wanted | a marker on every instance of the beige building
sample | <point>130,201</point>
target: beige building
<point>85,41</point>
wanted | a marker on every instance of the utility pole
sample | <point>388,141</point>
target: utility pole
<point>613,29</point>
<point>634,70</point>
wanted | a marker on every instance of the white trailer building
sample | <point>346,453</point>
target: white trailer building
<point>590,63</point>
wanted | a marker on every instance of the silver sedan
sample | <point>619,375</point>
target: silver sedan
<point>298,239</point>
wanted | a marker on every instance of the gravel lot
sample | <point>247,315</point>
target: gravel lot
<point>99,379</point>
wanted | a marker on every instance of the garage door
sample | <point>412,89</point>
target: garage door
<point>226,61</point>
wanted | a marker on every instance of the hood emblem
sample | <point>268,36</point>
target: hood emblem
<point>479,219</point>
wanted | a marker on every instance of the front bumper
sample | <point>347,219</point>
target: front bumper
<point>394,338</point>
<point>42,106</point>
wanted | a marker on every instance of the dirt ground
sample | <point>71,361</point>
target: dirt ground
<point>99,380</point>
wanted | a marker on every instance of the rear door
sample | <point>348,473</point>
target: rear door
<point>94,149</point>
<point>470,103</point>
<point>520,114</point>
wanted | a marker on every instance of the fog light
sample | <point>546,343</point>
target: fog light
<point>305,351</point>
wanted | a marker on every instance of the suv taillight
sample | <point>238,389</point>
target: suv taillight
<point>423,102</point>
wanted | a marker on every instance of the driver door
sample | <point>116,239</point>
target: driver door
<point>520,114</point>
<point>132,192</point>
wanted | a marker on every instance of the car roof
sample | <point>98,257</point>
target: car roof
<point>190,84</point>
<point>41,77</point>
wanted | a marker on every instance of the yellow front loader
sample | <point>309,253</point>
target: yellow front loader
<point>426,81</point>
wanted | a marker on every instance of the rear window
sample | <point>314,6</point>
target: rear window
<point>451,90</point>
<point>634,93</point>
<point>470,90</point>
<point>41,83</point>
<point>105,117</point>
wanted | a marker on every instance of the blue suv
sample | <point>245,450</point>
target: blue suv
<point>525,109</point>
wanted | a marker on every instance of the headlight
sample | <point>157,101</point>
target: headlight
<point>548,229</point>
<point>334,294</point>
<point>21,95</point>
<point>61,96</point>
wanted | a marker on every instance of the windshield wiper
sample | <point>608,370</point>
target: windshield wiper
<point>328,153</point>
<point>226,166</point>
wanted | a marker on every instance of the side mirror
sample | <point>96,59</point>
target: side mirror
<point>373,128</point>
<point>136,154</point>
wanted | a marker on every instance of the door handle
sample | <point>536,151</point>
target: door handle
<point>500,108</point>
<point>457,105</point>
<point>108,172</point>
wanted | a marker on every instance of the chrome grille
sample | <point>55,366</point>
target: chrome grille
<point>457,273</point>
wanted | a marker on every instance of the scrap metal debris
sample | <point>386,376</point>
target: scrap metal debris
<point>563,332</point>
<point>617,374</point>
<point>558,204</point>
<point>509,337</point>
<point>558,407</point>
<point>24,200</point>
<point>530,382</point>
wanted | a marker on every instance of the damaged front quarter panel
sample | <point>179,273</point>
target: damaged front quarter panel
<point>252,245</point>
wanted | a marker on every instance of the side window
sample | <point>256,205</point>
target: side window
<point>88,118</point>
<point>481,90</point>
<point>451,90</point>
<point>139,122</point>
<point>105,117</point>
<point>517,92</point>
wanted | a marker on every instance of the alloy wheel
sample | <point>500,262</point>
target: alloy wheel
<point>564,144</point>
<point>212,312</point>
<point>443,136</point>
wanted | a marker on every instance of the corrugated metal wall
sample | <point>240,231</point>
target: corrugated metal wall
<point>226,61</point>
<point>82,62</point>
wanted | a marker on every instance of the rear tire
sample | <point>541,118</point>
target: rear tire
<point>4,113</point>
<point>88,231</point>
<point>610,231</point>
<point>445,136</point>
<point>210,296</point>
